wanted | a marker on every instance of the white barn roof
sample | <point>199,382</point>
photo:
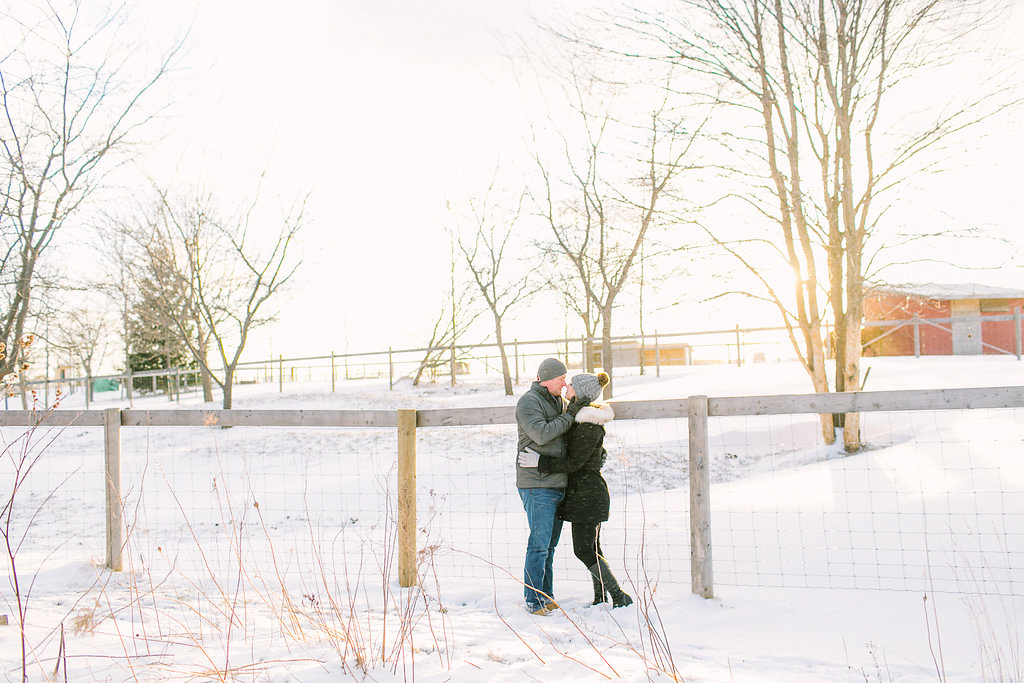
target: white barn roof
<point>949,292</point>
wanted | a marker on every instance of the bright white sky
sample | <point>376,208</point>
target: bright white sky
<point>384,110</point>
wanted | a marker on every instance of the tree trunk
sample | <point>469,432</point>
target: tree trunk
<point>204,376</point>
<point>836,281</point>
<point>229,379</point>
<point>505,372</point>
<point>854,242</point>
<point>837,299</point>
<point>204,373</point>
<point>588,344</point>
<point>23,386</point>
<point>851,368</point>
<point>606,349</point>
<point>820,381</point>
<point>15,357</point>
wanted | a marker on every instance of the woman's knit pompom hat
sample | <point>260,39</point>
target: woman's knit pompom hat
<point>588,387</point>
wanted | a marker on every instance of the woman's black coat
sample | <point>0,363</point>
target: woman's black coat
<point>586,495</point>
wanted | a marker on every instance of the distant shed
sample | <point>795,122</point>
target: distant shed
<point>631,353</point>
<point>952,320</point>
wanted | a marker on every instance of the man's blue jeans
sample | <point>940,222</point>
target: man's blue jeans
<point>541,506</point>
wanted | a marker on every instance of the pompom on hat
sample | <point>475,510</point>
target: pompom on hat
<point>588,387</point>
<point>550,368</point>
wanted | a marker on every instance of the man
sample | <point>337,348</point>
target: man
<point>543,419</point>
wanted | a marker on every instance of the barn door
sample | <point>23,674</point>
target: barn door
<point>967,332</point>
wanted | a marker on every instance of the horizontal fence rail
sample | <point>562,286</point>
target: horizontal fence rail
<point>696,410</point>
<point>869,401</point>
<point>777,404</point>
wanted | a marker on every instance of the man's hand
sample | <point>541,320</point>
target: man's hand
<point>529,458</point>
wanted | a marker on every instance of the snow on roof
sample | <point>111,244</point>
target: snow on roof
<point>947,292</point>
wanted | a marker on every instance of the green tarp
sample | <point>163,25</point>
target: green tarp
<point>105,385</point>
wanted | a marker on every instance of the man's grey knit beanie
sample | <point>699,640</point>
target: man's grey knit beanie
<point>550,368</point>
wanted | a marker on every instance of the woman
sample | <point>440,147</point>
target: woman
<point>586,501</point>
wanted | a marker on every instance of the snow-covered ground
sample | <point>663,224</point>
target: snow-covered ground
<point>267,554</point>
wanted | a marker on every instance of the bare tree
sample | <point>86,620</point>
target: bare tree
<point>442,350</point>
<point>484,254</point>
<point>565,284</point>
<point>213,277</point>
<point>454,320</point>
<point>72,98</point>
<point>84,335</point>
<point>601,227</point>
<point>820,83</point>
<point>118,290</point>
<point>658,266</point>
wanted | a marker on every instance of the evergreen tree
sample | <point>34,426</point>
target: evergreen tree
<point>154,339</point>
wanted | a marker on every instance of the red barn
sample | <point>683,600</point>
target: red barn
<point>951,319</point>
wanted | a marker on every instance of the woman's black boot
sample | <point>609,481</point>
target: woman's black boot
<point>600,595</point>
<point>602,574</point>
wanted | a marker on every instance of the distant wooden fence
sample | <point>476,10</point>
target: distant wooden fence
<point>648,351</point>
<point>696,409</point>
<point>644,351</point>
<point>917,322</point>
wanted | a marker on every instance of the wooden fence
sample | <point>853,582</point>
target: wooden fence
<point>945,326</point>
<point>650,352</point>
<point>696,409</point>
<point>645,351</point>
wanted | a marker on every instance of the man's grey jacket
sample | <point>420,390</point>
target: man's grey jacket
<point>542,422</point>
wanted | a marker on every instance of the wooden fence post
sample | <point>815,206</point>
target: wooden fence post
<point>917,336</point>
<point>391,370</point>
<point>739,348</point>
<point>701,582</point>
<point>406,498</point>
<point>517,360</point>
<point>453,363</point>
<point>129,386</point>
<point>643,353</point>
<point>1016,331</point>
<point>112,460</point>
<point>280,374</point>
<point>657,356</point>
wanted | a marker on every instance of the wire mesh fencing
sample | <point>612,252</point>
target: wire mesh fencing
<point>472,520</point>
<point>934,500</point>
<point>933,503</point>
<point>284,507</point>
<point>51,495</point>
